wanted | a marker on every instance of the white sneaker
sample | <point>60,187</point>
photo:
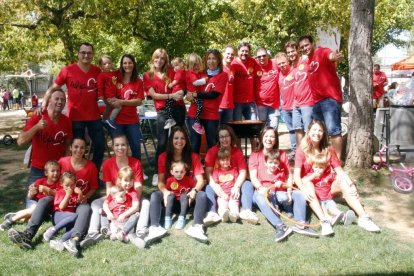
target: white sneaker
<point>249,216</point>
<point>169,123</point>
<point>326,228</point>
<point>337,218</point>
<point>57,245</point>
<point>138,242</point>
<point>155,180</point>
<point>348,217</point>
<point>225,216</point>
<point>145,176</point>
<point>211,218</point>
<point>155,233</point>
<point>233,217</point>
<point>367,224</point>
<point>197,232</point>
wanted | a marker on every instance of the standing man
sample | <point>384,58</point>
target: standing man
<point>81,81</point>
<point>50,134</point>
<point>326,88</point>
<point>16,95</point>
<point>379,80</point>
<point>245,69</point>
<point>267,89</point>
<point>303,101</point>
<point>227,103</point>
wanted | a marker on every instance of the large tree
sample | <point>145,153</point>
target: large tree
<point>360,83</point>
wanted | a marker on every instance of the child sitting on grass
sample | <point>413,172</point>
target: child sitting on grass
<point>121,208</point>
<point>179,184</point>
<point>64,206</point>
<point>322,178</point>
<point>224,176</point>
<point>42,187</point>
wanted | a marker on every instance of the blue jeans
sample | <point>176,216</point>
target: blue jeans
<point>34,175</point>
<point>269,115</point>
<point>95,132</point>
<point>210,126</point>
<point>247,191</point>
<point>329,111</point>
<point>246,110</point>
<point>226,115</point>
<point>133,134</point>
<point>287,116</point>
<point>302,116</point>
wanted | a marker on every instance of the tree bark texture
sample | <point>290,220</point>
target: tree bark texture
<point>360,135</point>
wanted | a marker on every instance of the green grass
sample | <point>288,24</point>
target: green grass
<point>235,249</point>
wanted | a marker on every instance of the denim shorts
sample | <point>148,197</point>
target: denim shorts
<point>328,204</point>
<point>301,117</point>
<point>329,111</point>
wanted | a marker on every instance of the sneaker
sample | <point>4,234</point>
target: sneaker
<point>249,216</point>
<point>155,233</point>
<point>303,230</point>
<point>155,180</point>
<point>145,176</point>
<point>122,236</point>
<point>110,123</point>
<point>211,218</point>
<point>367,224</point>
<point>233,217</point>
<point>198,128</point>
<point>138,242</point>
<point>9,216</point>
<point>180,223</point>
<point>6,225</point>
<point>167,223</point>
<point>326,228</point>
<point>225,216</point>
<point>348,218</point>
<point>22,239</point>
<point>169,123</point>
<point>105,232</point>
<point>48,235</point>
<point>282,232</point>
<point>113,236</point>
<point>57,245</point>
<point>91,239</point>
<point>196,231</point>
<point>142,233</point>
<point>72,247</point>
<point>337,218</point>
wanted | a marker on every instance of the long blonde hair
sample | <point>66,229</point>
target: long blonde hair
<point>160,52</point>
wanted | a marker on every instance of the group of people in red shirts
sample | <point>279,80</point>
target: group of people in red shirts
<point>306,87</point>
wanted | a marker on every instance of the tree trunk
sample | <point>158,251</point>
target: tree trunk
<point>360,133</point>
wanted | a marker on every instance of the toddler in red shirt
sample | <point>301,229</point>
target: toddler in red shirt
<point>225,176</point>
<point>322,178</point>
<point>179,185</point>
<point>42,187</point>
<point>64,216</point>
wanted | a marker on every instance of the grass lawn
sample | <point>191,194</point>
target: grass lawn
<point>235,249</point>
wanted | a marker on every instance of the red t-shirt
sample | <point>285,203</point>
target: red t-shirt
<point>302,90</point>
<point>180,76</point>
<point>160,87</point>
<point>323,184</point>
<point>82,92</point>
<point>323,79</point>
<point>72,203</point>
<point>257,162</point>
<point>118,209</point>
<point>236,158</point>
<point>227,99</point>
<point>306,167</point>
<point>35,102</point>
<point>286,86</point>
<point>179,187</point>
<point>50,142</point>
<point>267,87</point>
<point>218,84</point>
<point>86,177</point>
<point>378,78</point>
<point>244,74</point>
<point>133,194</point>
<point>196,166</point>
<point>110,170</point>
<point>43,181</point>
<point>107,84</point>
<point>191,77</point>
<point>225,179</point>
<point>129,91</point>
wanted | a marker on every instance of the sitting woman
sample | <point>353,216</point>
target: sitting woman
<point>178,149</point>
<point>263,171</point>
<point>314,143</point>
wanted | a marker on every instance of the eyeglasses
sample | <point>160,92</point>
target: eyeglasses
<point>262,56</point>
<point>86,53</point>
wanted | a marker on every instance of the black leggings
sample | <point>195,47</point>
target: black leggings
<point>199,104</point>
<point>168,108</point>
<point>172,204</point>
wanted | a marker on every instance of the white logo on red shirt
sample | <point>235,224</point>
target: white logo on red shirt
<point>128,93</point>
<point>82,184</point>
<point>72,202</point>
<point>91,81</point>
<point>209,86</point>
<point>300,76</point>
<point>59,138</point>
<point>313,67</point>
